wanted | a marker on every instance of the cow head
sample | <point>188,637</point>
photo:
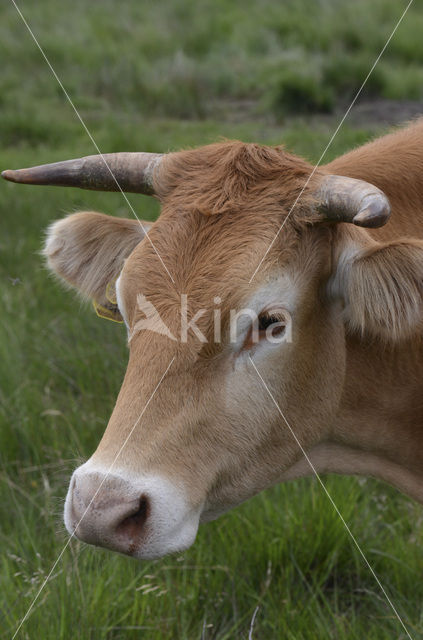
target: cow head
<point>201,423</point>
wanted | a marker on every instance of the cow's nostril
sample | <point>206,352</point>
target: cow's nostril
<point>133,524</point>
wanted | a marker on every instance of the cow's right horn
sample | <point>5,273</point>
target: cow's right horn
<point>133,172</point>
<point>342,199</point>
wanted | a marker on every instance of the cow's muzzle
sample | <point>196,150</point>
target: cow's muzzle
<point>145,517</point>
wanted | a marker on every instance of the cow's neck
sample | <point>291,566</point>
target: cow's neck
<point>378,430</point>
<point>382,407</point>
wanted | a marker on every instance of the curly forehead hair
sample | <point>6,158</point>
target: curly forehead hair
<point>230,175</point>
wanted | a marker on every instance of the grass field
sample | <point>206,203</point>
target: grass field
<point>158,76</point>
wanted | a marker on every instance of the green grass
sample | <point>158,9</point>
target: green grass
<point>286,551</point>
<point>187,58</point>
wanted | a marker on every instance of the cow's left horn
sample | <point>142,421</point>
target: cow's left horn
<point>341,199</point>
<point>131,172</point>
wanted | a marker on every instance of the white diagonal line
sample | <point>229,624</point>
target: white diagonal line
<point>330,499</point>
<point>78,115</point>
<point>90,503</point>
<point>331,139</point>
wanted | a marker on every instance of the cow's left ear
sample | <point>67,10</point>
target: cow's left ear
<point>382,288</point>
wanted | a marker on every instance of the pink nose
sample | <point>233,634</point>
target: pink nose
<point>107,510</point>
<point>145,515</point>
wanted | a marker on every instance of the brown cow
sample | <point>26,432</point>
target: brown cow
<point>194,431</point>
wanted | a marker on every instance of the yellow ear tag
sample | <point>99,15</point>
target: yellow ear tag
<point>111,292</point>
<point>109,312</point>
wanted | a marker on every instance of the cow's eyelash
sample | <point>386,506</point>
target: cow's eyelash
<point>259,330</point>
<point>266,320</point>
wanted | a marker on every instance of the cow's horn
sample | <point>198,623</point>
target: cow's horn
<point>341,199</point>
<point>131,172</point>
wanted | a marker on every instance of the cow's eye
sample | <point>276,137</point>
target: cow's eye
<point>271,324</point>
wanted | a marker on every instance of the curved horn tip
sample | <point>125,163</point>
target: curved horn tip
<point>23,176</point>
<point>375,215</point>
<point>8,174</point>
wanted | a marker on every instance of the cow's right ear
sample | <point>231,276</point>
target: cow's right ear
<point>87,250</point>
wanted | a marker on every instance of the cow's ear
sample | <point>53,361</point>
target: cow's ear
<point>382,288</point>
<point>87,250</point>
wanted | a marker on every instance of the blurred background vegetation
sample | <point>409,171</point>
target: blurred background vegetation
<point>187,59</point>
<point>155,76</point>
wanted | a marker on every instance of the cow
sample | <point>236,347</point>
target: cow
<point>201,425</point>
